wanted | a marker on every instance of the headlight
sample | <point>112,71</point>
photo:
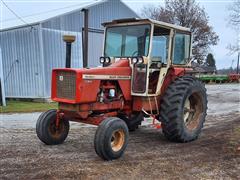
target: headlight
<point>107,60</point>
<point>102,60</point>
<point>134,60</point>
<point>137,60</point>
<point>140,60</point>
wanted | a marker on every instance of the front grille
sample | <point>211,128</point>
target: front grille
<point>66,84</point>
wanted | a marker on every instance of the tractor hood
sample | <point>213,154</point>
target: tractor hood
<point>117,70</point>
<point>82,85</point>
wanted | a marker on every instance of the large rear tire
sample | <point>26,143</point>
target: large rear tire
<point>183,109</point>
<point>111,138</point>
<point>46,128</point>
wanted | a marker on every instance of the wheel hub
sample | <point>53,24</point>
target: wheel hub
<point>56,131</point>
<point>186,110</point>
<point>193,110</point>
<point>117,140</point>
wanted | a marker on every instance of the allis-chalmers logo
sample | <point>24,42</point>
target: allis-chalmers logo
<point>60,78</point>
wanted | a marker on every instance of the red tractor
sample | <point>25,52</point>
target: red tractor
<point>145,73</point>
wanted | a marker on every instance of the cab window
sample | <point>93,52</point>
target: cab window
<point>127,41</point>
<point>160,45</point>
<point>181,48</point>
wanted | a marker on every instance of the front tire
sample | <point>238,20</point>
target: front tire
<point>111,138</point>
<point>183,109</point>
<point>46,128</point>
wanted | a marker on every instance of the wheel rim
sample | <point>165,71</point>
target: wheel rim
<point>54,131</point>
<point>187,107</point>
<point>193,110</point>
<point>117,140</point>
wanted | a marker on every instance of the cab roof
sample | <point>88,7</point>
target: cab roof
<point>136,21</point>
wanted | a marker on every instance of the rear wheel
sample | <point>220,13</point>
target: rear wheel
<point>47,131</point>
<point>111,138</point>
<point>183,109</point>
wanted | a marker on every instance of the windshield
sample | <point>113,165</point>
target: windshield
<point>127,41</point>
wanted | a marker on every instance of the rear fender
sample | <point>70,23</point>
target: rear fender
<point>172,74</point>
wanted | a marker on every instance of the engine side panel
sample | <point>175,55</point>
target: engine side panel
<point>83,85</point>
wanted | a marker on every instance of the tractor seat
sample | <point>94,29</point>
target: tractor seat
<point>156,62</point>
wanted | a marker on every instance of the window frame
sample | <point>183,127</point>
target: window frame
<point>173,46</point>
<point>167,48</point>
<point>149,43</point>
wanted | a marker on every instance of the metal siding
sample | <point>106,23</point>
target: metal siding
<point>108,11</point>
<point>95,47</point>
<point>69,22</point>
<point>27,78</point>
<point>22,79</point>
<point>55,52</point>
<point>98,14</point>
<point>2,89</point>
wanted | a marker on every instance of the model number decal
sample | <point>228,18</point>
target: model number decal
<point>91,76</point>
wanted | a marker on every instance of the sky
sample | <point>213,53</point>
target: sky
<point>36,10</point>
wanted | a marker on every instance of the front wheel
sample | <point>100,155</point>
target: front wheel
<point>47,131</point>
<point>111,138</point>
<point>183,109</point>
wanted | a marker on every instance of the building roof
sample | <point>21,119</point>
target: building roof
<point>41,18</point>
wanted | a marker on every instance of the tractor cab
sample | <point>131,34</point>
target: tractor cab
<point>151,47</point>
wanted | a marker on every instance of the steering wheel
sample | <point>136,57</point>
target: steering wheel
<point>135,52</point>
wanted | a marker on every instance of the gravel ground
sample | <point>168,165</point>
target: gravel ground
<point>215,155</point>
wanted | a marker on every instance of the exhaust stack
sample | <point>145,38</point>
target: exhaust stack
<point>85,38</point>
<point>69,40</point>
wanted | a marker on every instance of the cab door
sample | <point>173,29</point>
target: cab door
<point>158,57</point>
<point>146,76</point>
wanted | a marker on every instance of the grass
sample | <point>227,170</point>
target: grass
<point>14,106</point>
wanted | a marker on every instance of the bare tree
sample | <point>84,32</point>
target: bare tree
<point>189,14</point>
<point>234,16</point>
<point>234,21</point>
